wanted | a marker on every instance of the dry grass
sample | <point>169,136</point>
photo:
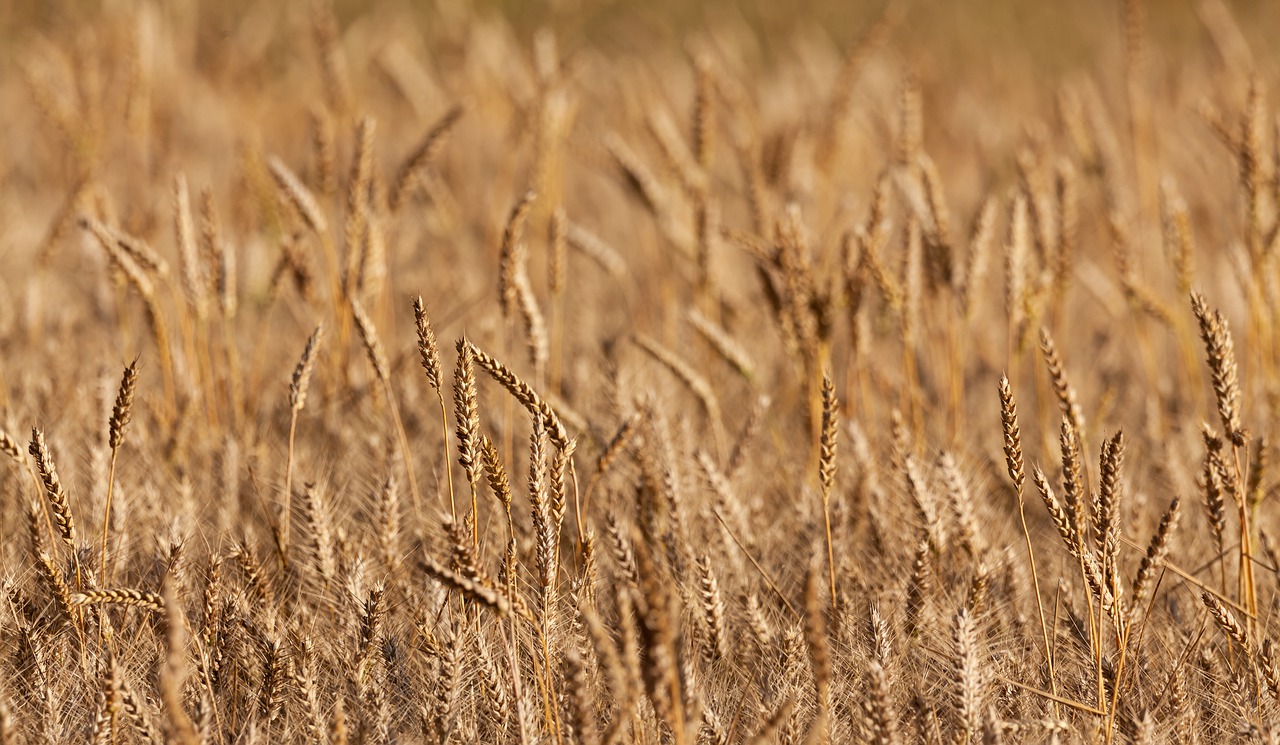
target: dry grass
<point>801,393</point>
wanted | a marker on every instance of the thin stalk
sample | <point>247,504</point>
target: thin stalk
<point>1035,584</point>
<point>1248,589</point>
<point>106,516</point>
<point>287,511</point>
<point>768,580</point>
<point>448,462</point>
<point>831,558</point>
<point>404,442</point>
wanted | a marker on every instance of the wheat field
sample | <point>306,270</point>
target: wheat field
<point>528,374</point>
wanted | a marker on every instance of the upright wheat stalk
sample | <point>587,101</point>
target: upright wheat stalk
<point>1221,358</point>
<point>430,354</point>
<point>827,471</point>
<point>466,412</point>
<point>1017,473</point>
<point>298,387</point>
<point>115,438</point>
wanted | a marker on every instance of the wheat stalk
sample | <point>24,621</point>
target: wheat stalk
<point>377,357</point>
<point>1017,473</point>
<point>426,151</point>
<point>299,386</point>
<point>115,438</point>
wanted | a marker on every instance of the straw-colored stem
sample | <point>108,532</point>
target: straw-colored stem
<point>1035,585</point>
<point>286,511</point>
<point>405,452</point>
<point>104,567</point>
<point>448,462</point>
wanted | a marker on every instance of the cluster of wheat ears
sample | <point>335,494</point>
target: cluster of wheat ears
<point>510,392</point>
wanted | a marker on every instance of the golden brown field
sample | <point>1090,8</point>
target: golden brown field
<point>572,373</point>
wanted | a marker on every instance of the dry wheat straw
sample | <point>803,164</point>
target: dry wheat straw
<point>1017,473</point>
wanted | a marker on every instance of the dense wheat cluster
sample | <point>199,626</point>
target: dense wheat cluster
<point>428,375</point>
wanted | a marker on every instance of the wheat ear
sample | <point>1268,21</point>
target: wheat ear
<point>521,391</point>
<point>59,504</point>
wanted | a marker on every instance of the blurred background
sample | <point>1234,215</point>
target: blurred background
<point>146,87</point>
<point>1014,39</point>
